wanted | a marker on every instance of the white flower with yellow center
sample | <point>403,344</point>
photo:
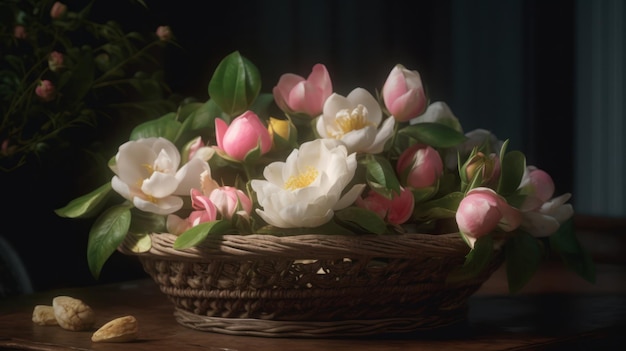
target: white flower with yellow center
<point>147,174</point>
<point>356,121</point>
<point>305,190</point>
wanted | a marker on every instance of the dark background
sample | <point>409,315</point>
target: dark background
<point>359,42</point>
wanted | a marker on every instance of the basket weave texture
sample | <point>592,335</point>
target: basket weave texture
<point>313,285</point>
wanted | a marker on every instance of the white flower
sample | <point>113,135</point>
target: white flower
<point>548,218</point>
<point>147,174</point>
<point>355,120</point>
<point>305,190</point>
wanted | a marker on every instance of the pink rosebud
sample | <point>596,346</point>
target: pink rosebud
<point>396,210</point>
<point>45,90</point>
<point>403,94</point>
<point>19,32</point>
<point>419,166</point>
<point>293,93</point>
<point>230,200</point>
<point>55,61</point>
<point>58,10</point>
<point>245,133</point>
<point>482,210</point>
<point>538,187</point>
<point>164,33</point>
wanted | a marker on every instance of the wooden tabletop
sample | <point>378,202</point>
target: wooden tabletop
<point>557,310</point>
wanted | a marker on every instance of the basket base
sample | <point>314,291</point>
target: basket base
<point>300,329</point>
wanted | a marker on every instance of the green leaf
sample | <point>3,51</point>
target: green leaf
<point>434,134</point>
<point>475,261</point>
<point>381,176</point>
<point>523,256</point>
<point>363,219</point>
<point>513,167</point>
<point>198,233</point>
<point>574,256</point>
<point>106,234</point>
<point>198,116</point>
<point>443,207</point>
<point>166,126</point>
<point>235,84</point>
<point>86,205</point>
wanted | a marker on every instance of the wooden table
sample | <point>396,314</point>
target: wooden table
<point>556,311</point>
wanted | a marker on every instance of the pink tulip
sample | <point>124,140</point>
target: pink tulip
<point>55,61</point>
<point>482,210</point>
<point>164,33</point>
<point>230,200</point>
<point>58,10</point>
<point>294,94</point>
<point>395,211</point>
<point>419,166</point>
<point>45,90</point>
<point>245,133</point>
<point>403,94</point>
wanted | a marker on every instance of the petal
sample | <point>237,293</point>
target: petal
<point>363,97</point>
<point>350,197</point>
<point>383,134</point>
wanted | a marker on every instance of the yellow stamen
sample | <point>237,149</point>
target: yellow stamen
<point>348,121</point>
<point>301,180</point>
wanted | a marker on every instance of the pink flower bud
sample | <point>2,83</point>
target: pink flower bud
<point>45,90</point>
<point>55,61</point>
<point>538,187</point>
<point>403,94</point>
<point>482,210</point>
<point>245,133</point>
<point>164,33</point>
<point>419,166</point>
<point>294,94</point>
<point>58,10</point>
<point>230,200</point>
<point>19,32</point>
<point>396,210</point>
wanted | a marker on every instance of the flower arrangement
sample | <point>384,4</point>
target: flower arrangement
<point>325,163</point>
<point>62,73</point>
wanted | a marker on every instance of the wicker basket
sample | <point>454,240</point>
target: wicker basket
<point>313,285</point>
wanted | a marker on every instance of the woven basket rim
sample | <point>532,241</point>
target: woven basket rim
<point>306,246</point>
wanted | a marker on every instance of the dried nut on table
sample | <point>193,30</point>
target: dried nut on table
<point>44,315</point>
<point>122,329</point>
<point>73,314</point>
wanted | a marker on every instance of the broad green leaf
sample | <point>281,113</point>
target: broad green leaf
<point>381,176</point>
<point>434,134</point>
<point>523,256</point>
<point>106,234</point>
<point>198,233</point>
<point>198,116</point>
<point>573,254</point>
<point>363,219</point>
<point>139,242</point>
<point>443,207</point>
<point>235,84</point>
<point>165,126</point>
<point>475,261</point>
<point>512,168</point>
<point>86,205</point>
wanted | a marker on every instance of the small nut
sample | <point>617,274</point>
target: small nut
<point>73,314</point>
<point>44,315</point>
<point>122,329</point>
